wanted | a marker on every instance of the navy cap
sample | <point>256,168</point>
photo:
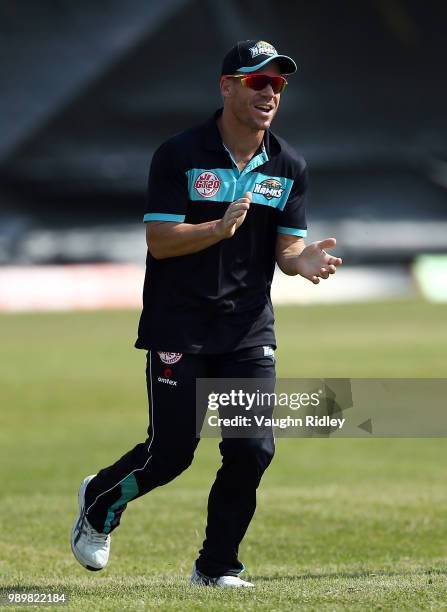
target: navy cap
<point>250,55</point>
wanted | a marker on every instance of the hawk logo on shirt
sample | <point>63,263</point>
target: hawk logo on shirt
<point>262,48</point>
<point>207,184</point>
<point>270,188</point>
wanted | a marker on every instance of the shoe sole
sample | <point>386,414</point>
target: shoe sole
<point>81,499</point>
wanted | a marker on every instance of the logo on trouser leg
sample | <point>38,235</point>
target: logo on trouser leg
<point>169,358</point>
<point>166,378</point>
<point>167,381</point>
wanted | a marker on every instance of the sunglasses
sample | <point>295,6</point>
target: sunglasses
<point>259,81</point>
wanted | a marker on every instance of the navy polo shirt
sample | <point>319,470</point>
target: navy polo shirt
<point>218,300</point>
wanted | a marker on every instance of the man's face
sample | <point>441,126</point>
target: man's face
<point>255,109</point>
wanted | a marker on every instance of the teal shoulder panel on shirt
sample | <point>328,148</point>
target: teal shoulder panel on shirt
<point>226,185</point>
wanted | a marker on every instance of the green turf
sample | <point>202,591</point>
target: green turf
<point>341,524</point>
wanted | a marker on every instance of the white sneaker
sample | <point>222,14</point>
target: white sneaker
<point>90,547</point>
<point>221,581</point>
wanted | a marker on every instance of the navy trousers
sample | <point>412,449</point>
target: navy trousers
<point>169,450</point>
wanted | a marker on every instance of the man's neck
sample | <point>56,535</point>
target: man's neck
<point>241,141</point>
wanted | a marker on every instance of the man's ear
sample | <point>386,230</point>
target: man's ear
<point>225,87</point>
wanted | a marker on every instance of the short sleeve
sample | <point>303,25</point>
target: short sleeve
<point>167,190</point>
<point>292,219</point>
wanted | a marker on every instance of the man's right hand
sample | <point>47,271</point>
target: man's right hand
<point>234,217</point>
<point>171,239</point>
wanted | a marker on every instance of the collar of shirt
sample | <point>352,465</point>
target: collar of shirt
<point>212,140</point>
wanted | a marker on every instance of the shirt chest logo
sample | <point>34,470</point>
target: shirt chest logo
<point>207,184</point>
<point>269,188</point>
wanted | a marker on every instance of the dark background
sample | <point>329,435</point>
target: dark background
<point>89,90</point>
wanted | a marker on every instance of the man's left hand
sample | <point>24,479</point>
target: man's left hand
<point>314,263</point>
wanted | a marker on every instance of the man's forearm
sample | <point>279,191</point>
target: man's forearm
<point>288,260</point>
<point>167,239</point>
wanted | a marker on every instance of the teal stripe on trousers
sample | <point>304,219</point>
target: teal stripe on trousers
<point>129,489</point>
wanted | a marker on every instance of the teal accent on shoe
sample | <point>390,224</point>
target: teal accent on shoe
<point>292,231</point>
<point>129,489</point>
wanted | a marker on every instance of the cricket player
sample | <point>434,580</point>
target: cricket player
<point>225,202</point>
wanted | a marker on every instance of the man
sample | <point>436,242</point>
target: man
<point>225,201</point>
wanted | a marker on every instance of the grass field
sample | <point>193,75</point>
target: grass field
<point>341,524</point>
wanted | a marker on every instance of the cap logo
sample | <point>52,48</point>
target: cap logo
<point>262,48</point>
<point>269,188</point>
